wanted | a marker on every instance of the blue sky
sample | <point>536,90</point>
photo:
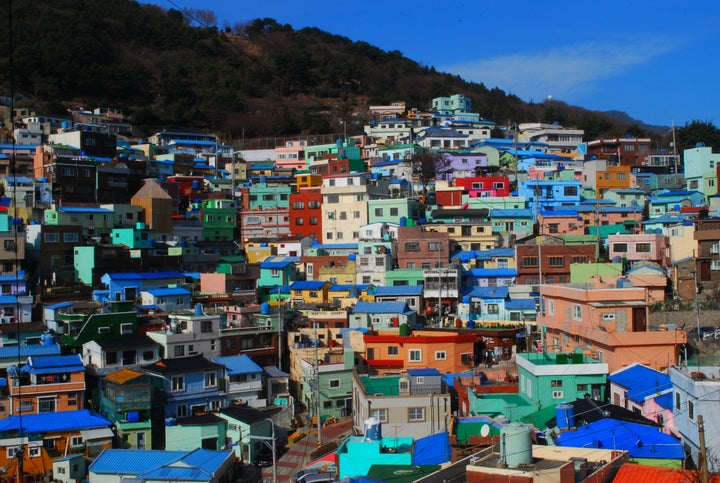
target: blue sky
<point>657,61</point>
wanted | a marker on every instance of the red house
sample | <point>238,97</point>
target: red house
<point>477,187</point>
<point>306,213</point>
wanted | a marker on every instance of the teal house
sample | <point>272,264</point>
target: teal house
<point>405,276</point>
<point>330,380</point>
<point>264,196</point>
<point>219,218</point>
<point>394,210</point>
<point>186,434</point>
<point>276,272</point>
<point>134,238</point>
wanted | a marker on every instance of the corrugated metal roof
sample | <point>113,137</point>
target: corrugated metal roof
<point>423,372</point>
<point>132,461</point>
<point>50,422</point>
<point>241,364</point>
<point>641,382</point>
<point>167,291</point>
<point>123,375</point>
<point>308,285</point>
<point>379,308</point>
<point>51,364</point>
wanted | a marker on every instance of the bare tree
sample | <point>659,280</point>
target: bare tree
<point>424,167</point>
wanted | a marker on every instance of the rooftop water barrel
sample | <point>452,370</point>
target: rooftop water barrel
<point>48,338</point>
<point>403,221</point>
<point>471,324</point>
<point>372,429</point>
<point>195,184</point>
<point>265,308</point>
<point>198,309</point>
<point>565,415</point>
<point>133,416</point>
<point>516,445</point>
<point>352,257</point>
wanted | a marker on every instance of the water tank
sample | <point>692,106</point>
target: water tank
<point>48,338</point>
<point>65,125</point>
<point>404,330</point>
<point>516,445</point>
<point>133,416</point>
<point>372,429</point>
<point>265,308</point>
<point>465,299</point>
<point>352,257</point>
<point>403,221</point>
<point>263,179</point>
<point>471,324</point>
<point>198,309</point>
<point>195,185</point>
<point>624,283</point>
<point>565,415</point>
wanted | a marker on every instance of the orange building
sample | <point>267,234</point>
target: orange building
<point>47,385</point>
<point>389,353</point>
<point>612,178</point>
<point>610,325</point>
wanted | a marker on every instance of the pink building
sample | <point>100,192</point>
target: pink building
<point>631,217</point>
<point>290,156</point>
<point>609,324</point>
<point>638,246</point>
<point>564,222</point>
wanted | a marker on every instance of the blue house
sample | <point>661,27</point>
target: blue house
<point>489,277</point>
<point>191,384</point>
<point>199,465</point>
<point>643,390</point>
<point>243,379</point>
<point>166,299</point>
<point>381,315</point>
<point>549,195</point>
<point>486,303</point>
<point>412,295</point>
<point>127,286</point>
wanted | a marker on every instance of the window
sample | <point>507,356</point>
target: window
<point>677,401</point>
<point>394,212</point>
<point>642,247</point>
<point>177,383</point>
<point>327,404</point>
<point>529,262</point>
<point>343,215</point>
<point>210,379</point>
<point>70,237</point>
<point>620,247</point>
<point>182,411</point>
<point>691,411</point>
<point>126,329</point>
<point>554,228</point>
<point>416,414</point>
<point>435,246</point>
<point>46,404</point>
<point>334,383</point>
<point>299,221</point>
<point>582,388</point>
<point>467,359</point>
<point>76,441</point>
<point>52,237</point>
<point>415,355</point>
<point>558,394</point>
<point>299,205</point>
<point>379,414</point>
<point>393,350</point>
<point>333,199</point>
<point>556,383</point>
<point>570,191</point>
<point>179,350</point>
<point>378,212</point>
<point>313,220</point>
<point>206,326</point>
<point>577,312</point>
<point>578,260</point>
<point>34,451</point>
<point>556,261</point>
<point>440,355</point>
<point>11,451</point>
<point>103,330</point>
<point>412,246</point>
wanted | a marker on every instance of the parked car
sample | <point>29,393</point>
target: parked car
<point>314,475</point>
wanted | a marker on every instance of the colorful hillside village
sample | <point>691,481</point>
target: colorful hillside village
<point>467,301</point>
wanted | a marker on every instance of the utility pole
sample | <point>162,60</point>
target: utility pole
<point>317,387</point>
<point>280,330</point>
<point>703,454</point>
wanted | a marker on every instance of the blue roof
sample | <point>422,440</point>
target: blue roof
<point>380,308</point>
<point>430,371</point>
<point>520,304</point>
<point>307,285</point>
<point>559,212</point>
<point>54,364</point>
<point>640,440</point>
<point>167,291</point>
<point>493,272</point>
<point>50,422</point>
<point>494,252</point>
<point>677,193</point>
<point>241,364</point>
<point>407,290</point>
<point>76,209</point>
<point>489,292</point>
<point>59,305</point>
<point>8,299</point>
<point>11,351</point>
<point>278,262</point>
<point>197,465</point>
<point>273,371</point>
<point>388,162</point>
<point>641,382</point>
<point>143,275</point>
<point>665,400</point>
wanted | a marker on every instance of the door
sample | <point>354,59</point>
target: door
<point>639,319</point>
<point>141,441</point>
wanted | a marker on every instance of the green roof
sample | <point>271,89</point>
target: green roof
<point>385,385</point>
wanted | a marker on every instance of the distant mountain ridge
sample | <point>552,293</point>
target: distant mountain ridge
<point>252,80</point>
<point>625,118</point>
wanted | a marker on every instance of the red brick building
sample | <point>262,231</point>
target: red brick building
<point>551,259</point>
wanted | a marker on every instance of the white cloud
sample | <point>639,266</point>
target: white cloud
<point>564,72</point>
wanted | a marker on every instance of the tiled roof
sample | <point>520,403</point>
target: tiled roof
<point>246,414</point>
<point>123,375</point>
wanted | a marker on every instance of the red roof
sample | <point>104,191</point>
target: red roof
<point>633,473</point>
<point>384,363</point>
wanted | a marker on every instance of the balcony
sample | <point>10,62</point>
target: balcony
<point>715,248</point>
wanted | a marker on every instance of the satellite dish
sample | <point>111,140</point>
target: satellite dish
<point>485,430</point>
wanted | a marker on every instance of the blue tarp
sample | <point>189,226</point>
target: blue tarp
<point>432,450</point>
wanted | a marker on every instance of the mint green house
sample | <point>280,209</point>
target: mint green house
<point>219,218</point>
<point>276,272</point>
<point>133,238</point>
<point>263,196</point>
<point>331,381</point>
<point>581,272</point>
<point>547,379</point>
<point>405,276</point>
<point>207,431</point>
<point>394,210</point>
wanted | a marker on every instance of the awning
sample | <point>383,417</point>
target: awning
<point>98,433</point>
<point>384,363</point>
